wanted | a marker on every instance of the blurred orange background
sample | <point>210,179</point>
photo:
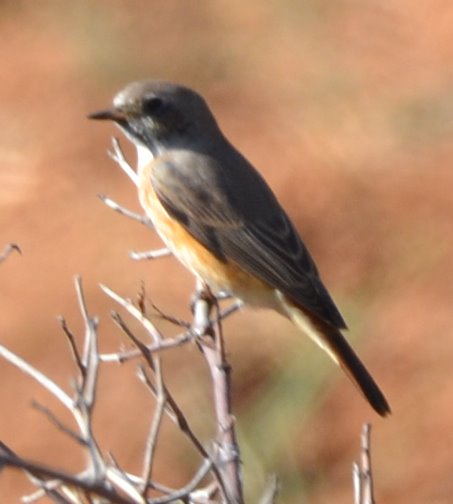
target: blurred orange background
<point>347,109</point>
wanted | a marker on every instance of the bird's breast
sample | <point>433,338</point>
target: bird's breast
<point>219,275</point>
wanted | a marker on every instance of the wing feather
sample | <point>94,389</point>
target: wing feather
<point>264,243</point>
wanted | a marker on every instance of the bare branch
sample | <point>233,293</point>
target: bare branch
<point>156,423</point>
<point>72,345</point>
<point>142,219</point>
<point>135,312</point>
<point>169,318</point>
<point>362,472</point>
<point>189,488</point>
<point>171,406</point>
<point>126,482</point>
<point>227,446</point>
<point>165,344</point>
<point>150,254</point>
<point>103,480</point>
<point>43,491</point>
<point>90,360</point>
<point>52,489</point>
<point>39,377</point>
<point>87,393</point>
<point>159,392</point>
<point>43,472</point>
<point>118,156</point>
<point>57,423</point>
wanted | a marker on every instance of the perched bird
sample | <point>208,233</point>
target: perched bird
<point>219,217</point>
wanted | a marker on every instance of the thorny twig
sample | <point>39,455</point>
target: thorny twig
<point>171,406</point>
<point>100,478</point>
<point>93,479</point>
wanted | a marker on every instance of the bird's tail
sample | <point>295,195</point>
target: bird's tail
<point>334,343</point>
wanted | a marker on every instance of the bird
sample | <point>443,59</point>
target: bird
<point>221,220</point>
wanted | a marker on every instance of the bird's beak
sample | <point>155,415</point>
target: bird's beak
<point>112,114</point>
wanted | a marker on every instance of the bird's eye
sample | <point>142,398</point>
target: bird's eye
<point>152,105</point>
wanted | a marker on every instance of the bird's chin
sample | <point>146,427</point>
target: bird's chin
<point>144,153</point>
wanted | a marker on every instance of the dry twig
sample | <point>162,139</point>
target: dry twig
<point>218,479</point>
<point>362,473</point>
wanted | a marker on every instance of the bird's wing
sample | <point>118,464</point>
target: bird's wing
<point>250,230</point>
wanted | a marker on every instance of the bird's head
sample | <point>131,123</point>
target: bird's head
<point>159,114</point>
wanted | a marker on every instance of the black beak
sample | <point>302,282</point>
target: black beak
<point>109,114</point>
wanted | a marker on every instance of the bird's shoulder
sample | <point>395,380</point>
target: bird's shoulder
<point>221,175</point>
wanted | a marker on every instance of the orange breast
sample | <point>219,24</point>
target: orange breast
<point>224,276</point>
